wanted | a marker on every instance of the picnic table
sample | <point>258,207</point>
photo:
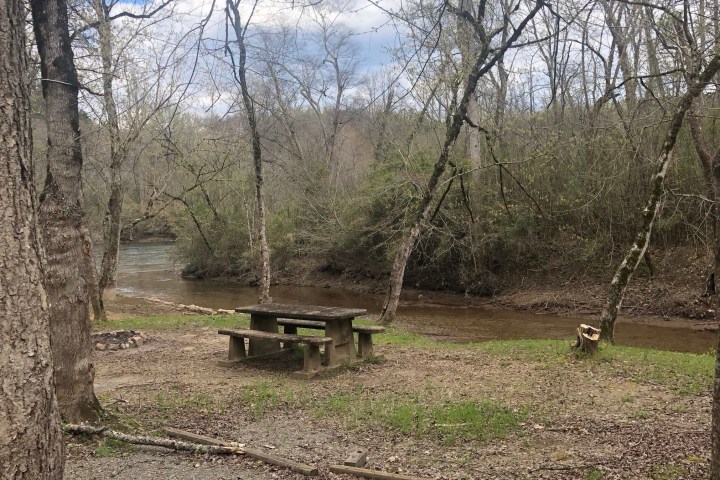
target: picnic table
<point>264,338</point>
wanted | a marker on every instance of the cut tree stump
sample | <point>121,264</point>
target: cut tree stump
<point>587,339</point>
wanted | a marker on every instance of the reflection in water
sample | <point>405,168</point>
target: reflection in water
<point>148,270</point>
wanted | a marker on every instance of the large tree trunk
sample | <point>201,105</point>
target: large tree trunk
<point>30,437</point>
<point>61,215</point>
<point>111,223</point>
<point>257,154</point>
<point>483,63</point>
<point>715,432</point>
<point>710,162</point>
<point>632,259</point>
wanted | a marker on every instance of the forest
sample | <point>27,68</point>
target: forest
<point>482,148</point>
<point>548,172</point>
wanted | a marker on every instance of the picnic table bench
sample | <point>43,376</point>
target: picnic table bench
<point>365,332</point>
<point>264,338</point>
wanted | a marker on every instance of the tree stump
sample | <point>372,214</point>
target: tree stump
<point>587,339</point>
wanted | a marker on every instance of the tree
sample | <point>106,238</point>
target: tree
<point>61,217</point>
<point>240,74</point>
<point>697,78</point>
<point>489,52</point>
<point>110,46</point>
<point>31,440</point>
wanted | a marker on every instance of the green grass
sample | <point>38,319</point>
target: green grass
<point>594,474</point>
<point>109,447</point>
<point>419,415</point>
<point>666,472</point>
<point>686,373</point>
<point>175,321</point>
<point>263,397</point>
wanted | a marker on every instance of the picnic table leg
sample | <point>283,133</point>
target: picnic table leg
<point>236,352</point>
<point>365,344</point>
<point>263,323</point>
<point>291,330</point>
<point>343,345</point>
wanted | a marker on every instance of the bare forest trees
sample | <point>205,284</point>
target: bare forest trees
<point>61,217</point>
<point>30,440</point>
<point>489,50</point>
<point>131,96</point>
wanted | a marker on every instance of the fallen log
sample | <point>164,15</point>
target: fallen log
<point>307,470</point>
<point>190,308</point>
<point>587,339</point>
<point>153,441</point>
<point>376,474</point>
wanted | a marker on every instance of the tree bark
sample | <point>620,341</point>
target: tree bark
<point>257,153</point>
<point>710,162</point>
<point>30,437</point>
<point>483,63</point>
<point>61,215</point>
<point>632,259</point>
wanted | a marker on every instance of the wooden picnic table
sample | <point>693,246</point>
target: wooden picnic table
<point>338,327</point>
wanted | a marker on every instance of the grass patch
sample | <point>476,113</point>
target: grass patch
<point>109,447</point>
<point>686,373</point>
<point>593,474</point>
<point>263,397</point>
<point>414,415</point>
<point>175,321</point>
<point>198,402</point>
<point>666,472</point>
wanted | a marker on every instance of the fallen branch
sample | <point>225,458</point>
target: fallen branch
<point>376,474</point>
<point>190,308</point>
<point>154,441</point>
<point>267,458</point>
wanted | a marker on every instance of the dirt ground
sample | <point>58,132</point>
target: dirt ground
<point>581,421</point>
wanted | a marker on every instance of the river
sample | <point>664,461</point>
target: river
<point>148,270</point>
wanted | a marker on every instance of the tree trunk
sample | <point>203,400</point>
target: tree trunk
<point>632,259</point>
<point>715,430</point>
<point>710,162</point>
<point>61,215</point>
<point>257,155</point>
<point>89,263</point>
<point>111,223</point>
<point>483,63</point>
<point>30,438</point>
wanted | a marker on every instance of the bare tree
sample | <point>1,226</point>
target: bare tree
<point>698,81</point>
<point>489,52</point>
<point>113,47</point>
<point>240,74</point>
<point>31,442</point>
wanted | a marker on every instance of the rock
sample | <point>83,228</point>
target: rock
<point>137,340</point>
<point>393,459</point>
<point>100,346</point>
<point>124,346</point>
<point>113,346</point>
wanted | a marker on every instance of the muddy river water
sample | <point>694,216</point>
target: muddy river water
<point>148,270</point>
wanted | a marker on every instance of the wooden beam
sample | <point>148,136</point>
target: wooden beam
<point>376,474</point>
<point>307,470</point>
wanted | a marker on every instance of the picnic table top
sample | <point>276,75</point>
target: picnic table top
<point>302,312</point>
